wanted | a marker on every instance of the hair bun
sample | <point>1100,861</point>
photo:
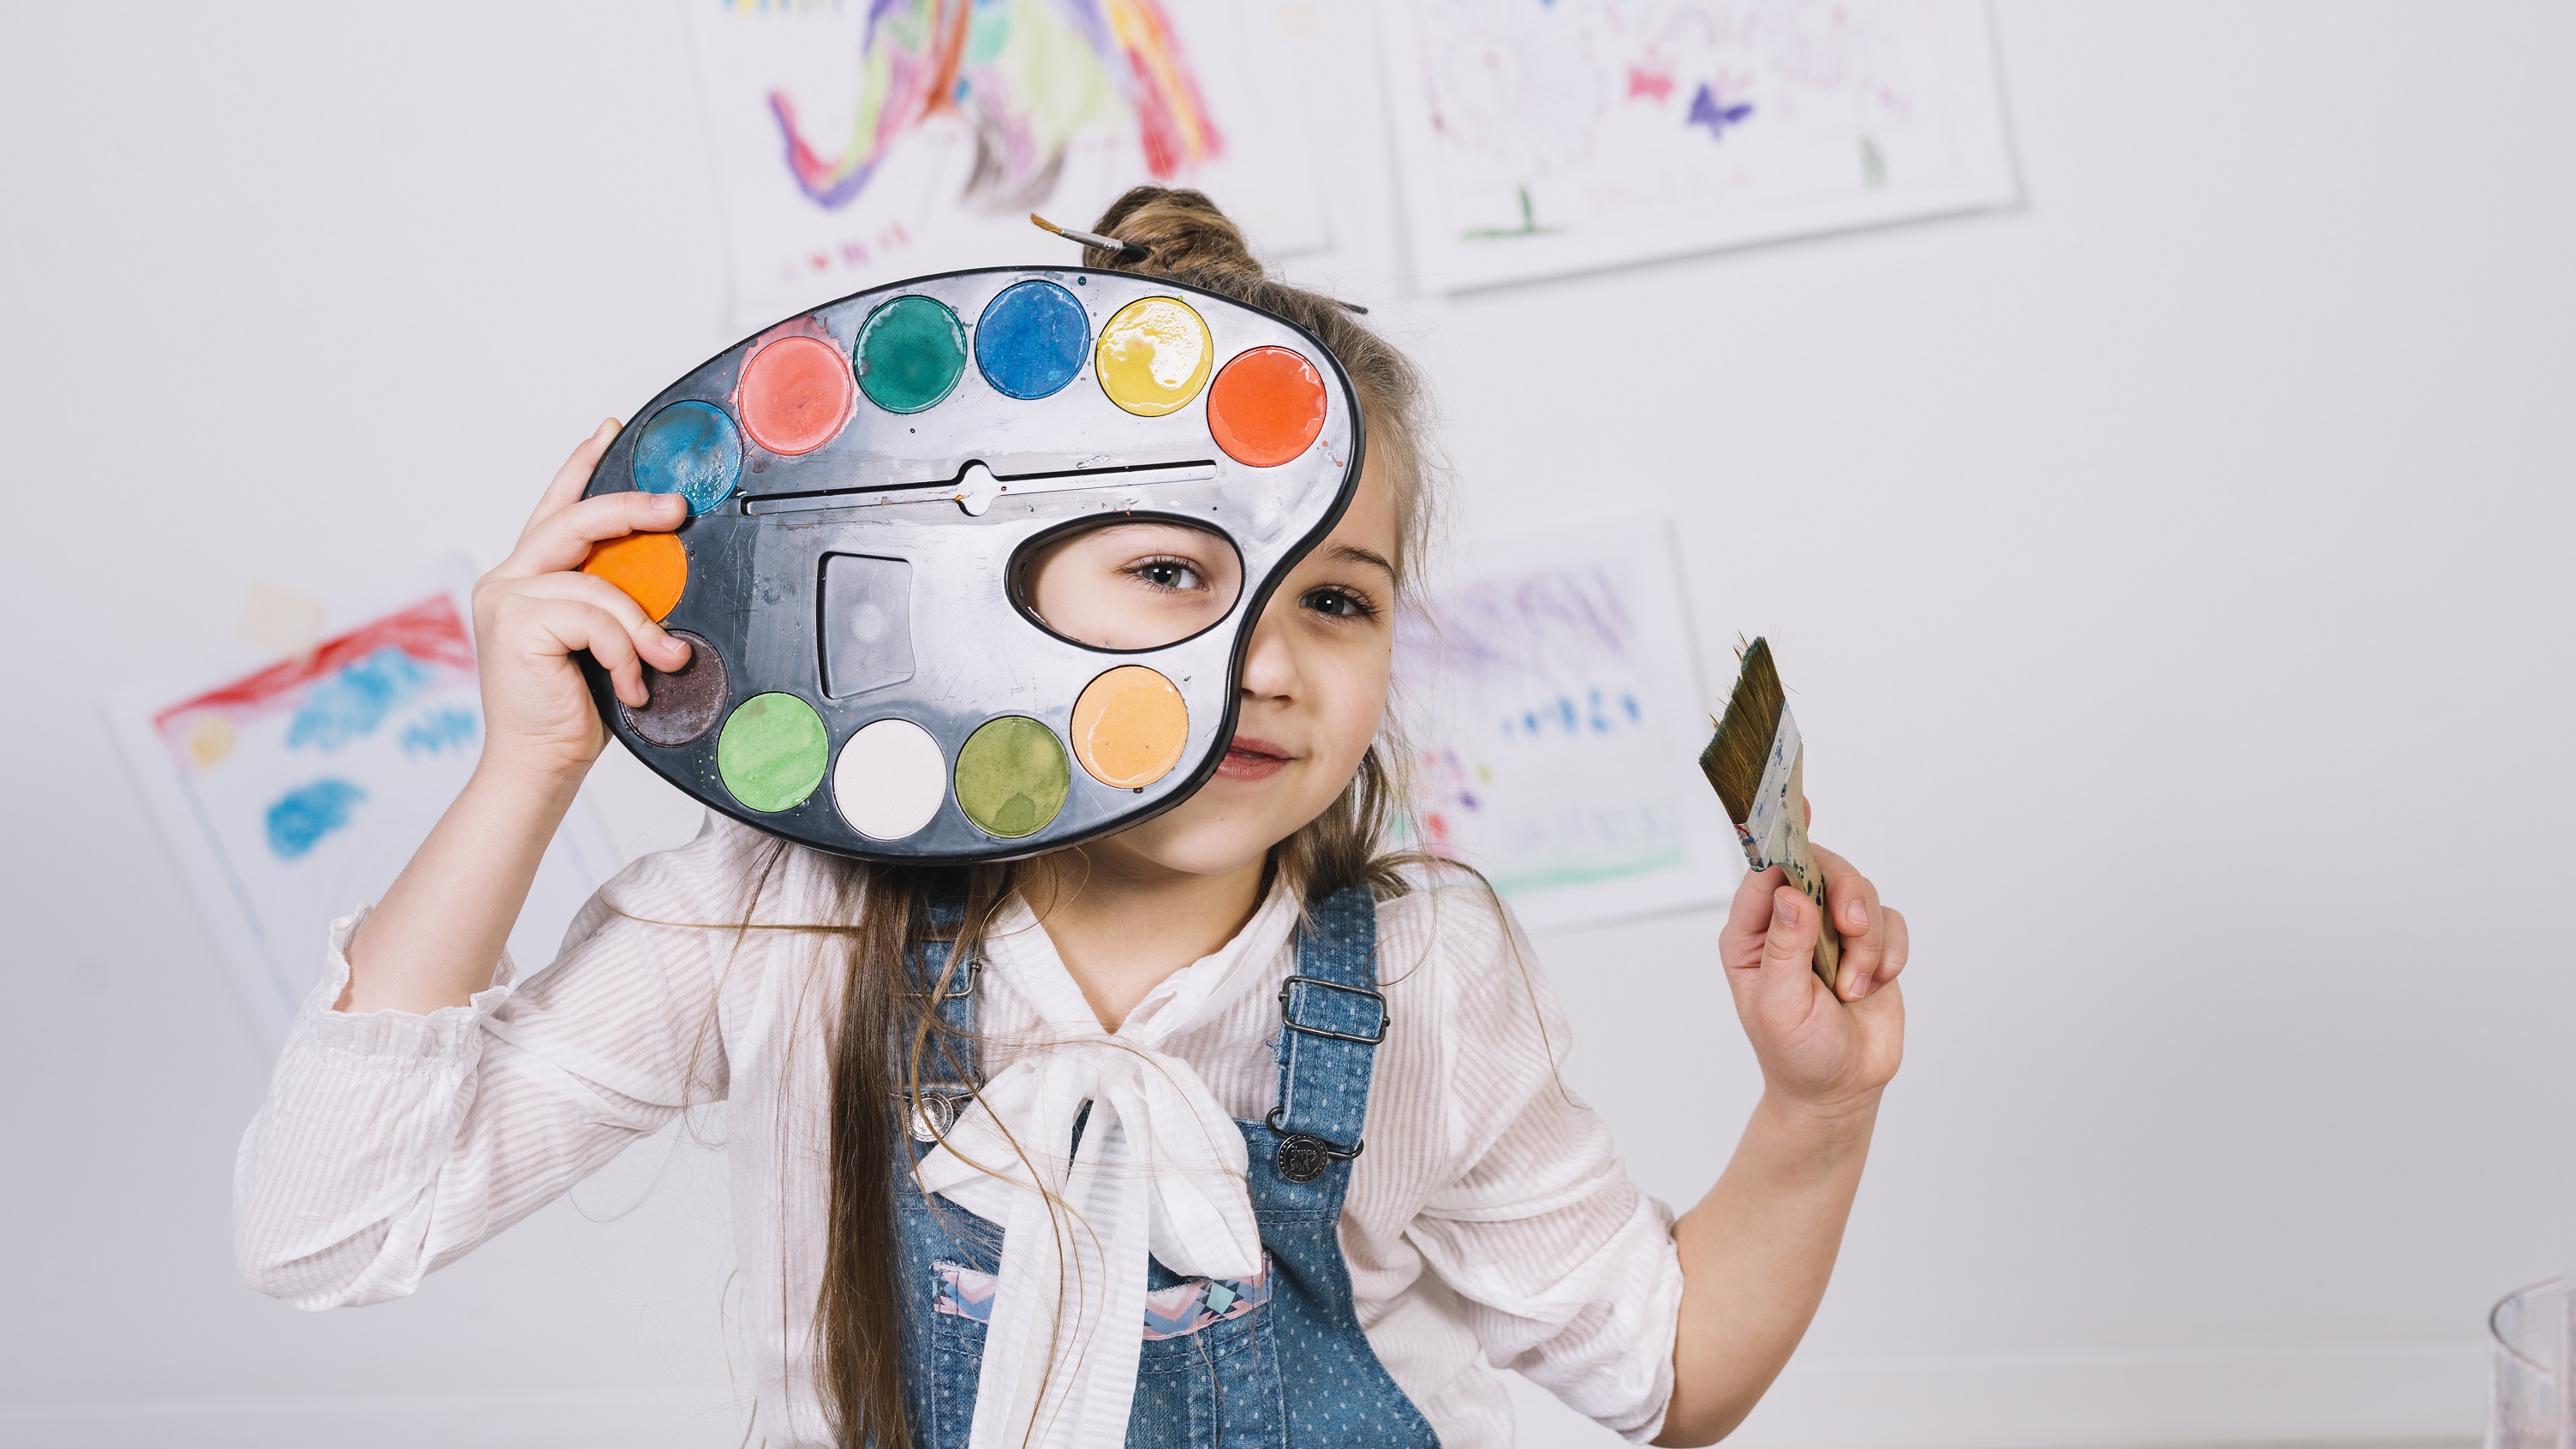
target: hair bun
<point>1182,228</point>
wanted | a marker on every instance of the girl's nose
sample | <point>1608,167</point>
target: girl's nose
<point>1270,665</point>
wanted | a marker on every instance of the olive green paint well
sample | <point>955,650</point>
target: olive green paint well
<point>773,752</point>
<point>1012,775</point>
<point>910,353</point>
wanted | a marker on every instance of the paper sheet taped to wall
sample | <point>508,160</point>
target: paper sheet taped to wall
<point>292,790</point>
<point>1555,719</point>
<point>1540,139</point>
<point>863,143</point>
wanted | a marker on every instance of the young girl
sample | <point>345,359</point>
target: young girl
<point>1225,1130</point>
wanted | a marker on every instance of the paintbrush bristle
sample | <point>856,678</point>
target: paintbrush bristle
<point>1733,761</point>
<point>1046,224</point>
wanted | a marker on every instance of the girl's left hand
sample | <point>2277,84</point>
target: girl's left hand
<point>1816,1049</point>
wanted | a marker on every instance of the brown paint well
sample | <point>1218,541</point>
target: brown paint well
<point>1129,727</point>
<point>796,394</point>
<point>652,568</point>
<point>686,703</point>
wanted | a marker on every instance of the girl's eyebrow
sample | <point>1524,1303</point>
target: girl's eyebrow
<point>1353,553</point>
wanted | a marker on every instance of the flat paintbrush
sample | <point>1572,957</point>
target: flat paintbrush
<point>1759,767</point>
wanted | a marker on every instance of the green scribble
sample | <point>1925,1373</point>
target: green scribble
<point>1529,224</point>
<point>1544,878</point>
<point>1873,167</point>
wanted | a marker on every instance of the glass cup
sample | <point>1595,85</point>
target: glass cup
<point>2530,1407</point>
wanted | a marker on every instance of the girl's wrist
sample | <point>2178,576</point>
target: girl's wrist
<point>525,781</point>
<point>1828,1121</point>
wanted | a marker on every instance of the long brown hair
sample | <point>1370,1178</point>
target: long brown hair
<point>858,1317</point>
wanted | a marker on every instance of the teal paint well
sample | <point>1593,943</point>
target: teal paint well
<point>910,353</point>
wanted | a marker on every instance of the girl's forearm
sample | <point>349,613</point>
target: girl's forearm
<point>1756,1254</point>
<point>437,934</point>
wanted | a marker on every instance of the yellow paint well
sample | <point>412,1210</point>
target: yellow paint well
<point>1154,356</point>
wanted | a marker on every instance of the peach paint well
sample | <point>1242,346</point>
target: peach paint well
<point>1129,727</point>
<point>796,395</point>
<point>1266,407</point>
<point>652,568</point>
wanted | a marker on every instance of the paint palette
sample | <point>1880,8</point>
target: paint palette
<point>868,484</point>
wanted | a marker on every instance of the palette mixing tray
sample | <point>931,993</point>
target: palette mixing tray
<point>865,482</point>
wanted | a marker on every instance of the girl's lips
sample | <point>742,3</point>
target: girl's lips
<point>1251,759</point>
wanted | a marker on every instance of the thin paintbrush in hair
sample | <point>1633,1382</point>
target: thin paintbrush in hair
<point>1759,767</point>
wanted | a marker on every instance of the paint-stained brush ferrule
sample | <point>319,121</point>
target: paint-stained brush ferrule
<point>1118,249</point>
<point>1757,762</point>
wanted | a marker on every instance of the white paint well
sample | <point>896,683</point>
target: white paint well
<point>890,779</point>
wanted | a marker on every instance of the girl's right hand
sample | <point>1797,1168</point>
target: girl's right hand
<point>532,612</point>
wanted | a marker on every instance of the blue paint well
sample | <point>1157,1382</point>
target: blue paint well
<point>299,820</point>
<point>692,449</point>
<point>351,703</point>
<point>1031,339</point>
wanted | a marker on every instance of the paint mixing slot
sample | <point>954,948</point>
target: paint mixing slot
<point>976,487</point>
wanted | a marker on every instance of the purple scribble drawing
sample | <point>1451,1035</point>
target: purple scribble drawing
<point>1558,624</point>
<point>1545,659</point>
<point>1707,110</point>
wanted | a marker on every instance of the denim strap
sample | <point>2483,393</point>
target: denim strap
<point>951,1065</point>
<point>1332,1019</point>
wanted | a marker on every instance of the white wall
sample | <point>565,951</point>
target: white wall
<point>2178,601</point>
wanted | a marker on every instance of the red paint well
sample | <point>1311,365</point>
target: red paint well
<point>796,394</point>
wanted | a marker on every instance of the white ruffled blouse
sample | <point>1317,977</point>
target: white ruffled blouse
<point>1489,1223</point>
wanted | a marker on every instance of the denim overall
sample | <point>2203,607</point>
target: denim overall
<point>1211,1371</point>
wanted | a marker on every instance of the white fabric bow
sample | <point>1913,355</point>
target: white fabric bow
<point>1161,1169</point>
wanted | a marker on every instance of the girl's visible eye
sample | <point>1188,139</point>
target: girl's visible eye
<point>1334,601</point>
<point>1176,574</point>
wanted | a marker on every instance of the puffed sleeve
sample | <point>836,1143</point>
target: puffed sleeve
<point>392,1143</point>
<point>1567,1270</point>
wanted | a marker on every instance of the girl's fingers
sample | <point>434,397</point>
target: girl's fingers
<point>560,541</point>
<point>1789,947</point>
<point>1857,914</point>
<point>1894,959</point>
<point>575,473</point>
<point>560,626</point>
<point>653,644</point>
<point>1748,919</point>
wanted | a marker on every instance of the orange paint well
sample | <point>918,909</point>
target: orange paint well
<point>652,568</point>
<point>795,395</point>
<point>1266,407</point>
<point>1129,727</point>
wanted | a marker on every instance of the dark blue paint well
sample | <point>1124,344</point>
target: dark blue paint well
<point>692,449</point>
<point>1030,340</point>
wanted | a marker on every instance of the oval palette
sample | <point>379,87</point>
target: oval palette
<point>860,480</point>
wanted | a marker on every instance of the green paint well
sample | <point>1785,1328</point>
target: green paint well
<point>772,752</point>
<point>1012,775</point>
<point>910,352</point>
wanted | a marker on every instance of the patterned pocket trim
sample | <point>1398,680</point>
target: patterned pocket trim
<point>1174,1312</point>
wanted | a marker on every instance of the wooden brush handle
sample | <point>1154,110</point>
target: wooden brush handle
<point>1799,864</point>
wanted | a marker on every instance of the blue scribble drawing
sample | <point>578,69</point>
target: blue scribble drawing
<point>450,728</point>
<point>1597,712</point>
<point>350,704</point>
<point>1707,110</point>
<point>299,820</point>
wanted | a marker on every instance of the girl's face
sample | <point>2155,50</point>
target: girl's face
<point>1314,680</point>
